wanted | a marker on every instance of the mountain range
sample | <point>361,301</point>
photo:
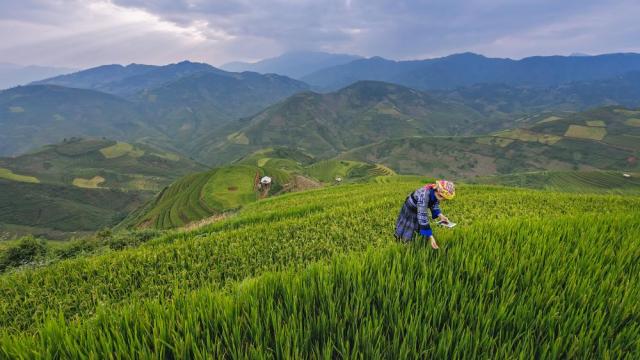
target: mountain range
<point>207,112</point>
<point>467,69</point>
<point>293,64</point>
<point>169,104</point>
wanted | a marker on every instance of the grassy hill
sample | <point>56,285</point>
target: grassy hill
<point>173,105</point>
<point>113,164</point>
<point>326,124</point>
<point>229,188</point>
<point>504,103</point>
<point>323,269</point>
<point>614,126</point>
<point>82,185</point>
<point>602,138</point>
<point>366,113</point>
<point>59,212</point>
<point>197,104</point>
<point>574,181</point>
<point>33,116</point>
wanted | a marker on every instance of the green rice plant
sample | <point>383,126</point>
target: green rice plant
<point>505,288</point>
<point>287,232</point>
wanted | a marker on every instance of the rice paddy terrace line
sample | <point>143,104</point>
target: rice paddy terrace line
<point>615,182</point>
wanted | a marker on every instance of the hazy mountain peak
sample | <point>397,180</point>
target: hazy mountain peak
<point>14,74</point>
<point>295,64</point>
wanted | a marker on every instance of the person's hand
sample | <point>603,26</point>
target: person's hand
<point>443,218</point>
<point>433,243</point>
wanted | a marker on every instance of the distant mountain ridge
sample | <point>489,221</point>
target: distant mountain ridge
<point>127,80</point>
<point>198,103</point>
<point>169,104</point>
<point>13,75</point>
<point>293,64</point>
<point>467,69</point>
<point>499,99</point>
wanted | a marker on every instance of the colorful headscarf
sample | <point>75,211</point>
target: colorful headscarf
<point>446,189</point>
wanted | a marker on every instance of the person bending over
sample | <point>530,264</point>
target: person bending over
<point>413,216</point>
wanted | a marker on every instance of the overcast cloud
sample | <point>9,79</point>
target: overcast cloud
<point>84,33</point>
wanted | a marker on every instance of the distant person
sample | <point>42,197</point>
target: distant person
<point>265,185</point>
<point>413,216</point>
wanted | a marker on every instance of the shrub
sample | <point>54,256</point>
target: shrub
<point>27,250</point>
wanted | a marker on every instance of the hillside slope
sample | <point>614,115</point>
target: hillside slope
<point>604,138</point>
<point>574,181</point>
<point>172,105</point>
<point>197,104</point>
<point>60,212</point>
<point>327,124</point>
<point>33,116</point>
<point>229,188</point>
<point>500,100</point>
<point>82,185</point>
<point>119,165</point>
<point>194,293</point>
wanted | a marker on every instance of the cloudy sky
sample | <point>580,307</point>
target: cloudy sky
<point>84,33</point>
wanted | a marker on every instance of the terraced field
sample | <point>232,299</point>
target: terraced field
<point>175,206</point>
<point>318,274</point>
<point>10,175</point>
<point>227,189</point>
<point>572,181</point>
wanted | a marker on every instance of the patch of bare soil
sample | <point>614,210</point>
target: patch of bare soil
<point>206,221</point>
<point>299,183</point>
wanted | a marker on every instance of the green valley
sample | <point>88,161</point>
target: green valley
<point>119,165</point>
<point>82,185</point>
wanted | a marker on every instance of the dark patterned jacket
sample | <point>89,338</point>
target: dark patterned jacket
<point>423,199</point>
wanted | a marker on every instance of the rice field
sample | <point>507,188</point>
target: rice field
<point>525,274</point>
<point>527,136</point>
<point>613,182</point>
<point>10,175</point>
<point>586,132</point>
<point>121,149</point>
<point>92,183</point>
